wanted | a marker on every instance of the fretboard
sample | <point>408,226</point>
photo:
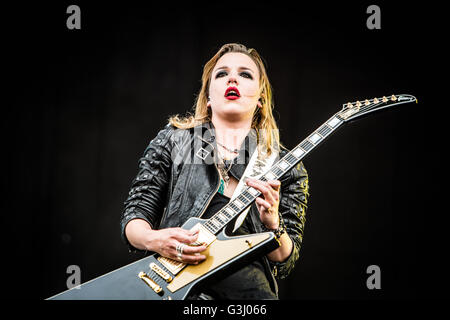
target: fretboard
<point>282,166</point>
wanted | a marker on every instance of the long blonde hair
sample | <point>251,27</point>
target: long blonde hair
<point>263,121</point>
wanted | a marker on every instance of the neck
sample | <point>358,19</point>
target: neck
<point>231,134</point>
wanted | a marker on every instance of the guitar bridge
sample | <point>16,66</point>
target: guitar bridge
<point>150,282</point>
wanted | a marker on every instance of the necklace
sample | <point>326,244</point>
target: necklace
<point>223,170</point>
<point>229,150</point>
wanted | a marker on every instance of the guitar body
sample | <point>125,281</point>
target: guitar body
<point>224,254</point>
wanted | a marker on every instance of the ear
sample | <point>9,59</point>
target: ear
<point>259,104</point>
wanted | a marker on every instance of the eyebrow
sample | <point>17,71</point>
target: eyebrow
<point>240,68</point>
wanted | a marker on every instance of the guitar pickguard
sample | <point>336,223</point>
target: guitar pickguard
<point>219,253</point>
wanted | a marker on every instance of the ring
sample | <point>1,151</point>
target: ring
<point>179,255</point>
<point>180,248</point>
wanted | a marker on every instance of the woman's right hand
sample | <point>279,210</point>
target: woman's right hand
<point>165,242</point>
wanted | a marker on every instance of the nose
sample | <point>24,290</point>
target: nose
<point>232,80</point>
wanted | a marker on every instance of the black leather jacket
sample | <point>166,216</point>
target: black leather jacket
<point>174,183</point>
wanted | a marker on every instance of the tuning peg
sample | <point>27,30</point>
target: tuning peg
<point>358,104</point>
<point>376,100</point>
<point>349,105</point>
<point>393,98</point>
<point>366,102</point>
<point>384,99</point>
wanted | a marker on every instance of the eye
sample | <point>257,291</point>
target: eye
<point>246,75</point>
<point>221,74</point>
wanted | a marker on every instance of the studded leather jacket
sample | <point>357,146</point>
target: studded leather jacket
<point>177,179</point>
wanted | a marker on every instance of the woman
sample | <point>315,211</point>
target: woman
<point>233,117</point>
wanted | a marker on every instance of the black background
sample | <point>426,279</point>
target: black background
<point>85,103</point>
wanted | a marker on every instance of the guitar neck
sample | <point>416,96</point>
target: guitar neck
<point>291,159</point>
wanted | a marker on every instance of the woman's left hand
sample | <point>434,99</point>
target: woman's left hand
<point>268,202</point>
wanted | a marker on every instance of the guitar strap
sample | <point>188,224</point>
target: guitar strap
<point>259,164</point>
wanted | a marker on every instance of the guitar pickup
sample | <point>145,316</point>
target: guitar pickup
<point>150,282</point>
<point>160,272</point>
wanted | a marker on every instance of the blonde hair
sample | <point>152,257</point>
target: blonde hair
<point>263,121</point>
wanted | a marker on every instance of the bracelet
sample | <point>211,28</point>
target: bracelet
<point>279,231</point>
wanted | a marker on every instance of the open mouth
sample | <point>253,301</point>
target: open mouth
<point>232,93</point>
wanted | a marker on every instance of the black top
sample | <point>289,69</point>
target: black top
<point>218,202</point>
<point>250,282</point>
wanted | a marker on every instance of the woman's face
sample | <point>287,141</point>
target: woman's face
<point>234,87</point>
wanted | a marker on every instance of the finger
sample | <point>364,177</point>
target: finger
<point>266,205</point>
<point>275,189</point>
<point>262,187</point>
<point>189,254</point>
<point>275,184</point>
<point>185,236</point>
<point>193,249</point>
<point>192,259</point>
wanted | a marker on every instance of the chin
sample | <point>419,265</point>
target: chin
<point>235,110</point>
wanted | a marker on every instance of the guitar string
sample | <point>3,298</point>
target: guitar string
<point>364,108</point>
<point>210,222</point>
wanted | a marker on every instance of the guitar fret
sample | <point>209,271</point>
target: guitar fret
<point>214,223</point>
<point>334,122</point>
<point>314,138</point>
<point>238,203</point>
<point>270,176</point>
<point>324,130</point>
<point>229,216</point>
<point>283,165</point>
<point>210,227</point>
<point>210,224</point>
<point>253,191</point>
<point>306,145</point>
<point>229,211</point>
<point>277,171</point>
<point>219,220</point>
<point>222,217</point>
<point>233,206</point>
<point>247,195</point>
<point>291,159</point>
<point>243,199</point>
<point>297,152</point>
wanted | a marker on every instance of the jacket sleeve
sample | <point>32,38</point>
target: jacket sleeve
<point>292,208</point>
<point>148,195</point>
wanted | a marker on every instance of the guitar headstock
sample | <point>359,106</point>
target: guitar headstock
<point>353,110</point>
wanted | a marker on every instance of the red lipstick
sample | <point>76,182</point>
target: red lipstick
<point>232,93</point>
